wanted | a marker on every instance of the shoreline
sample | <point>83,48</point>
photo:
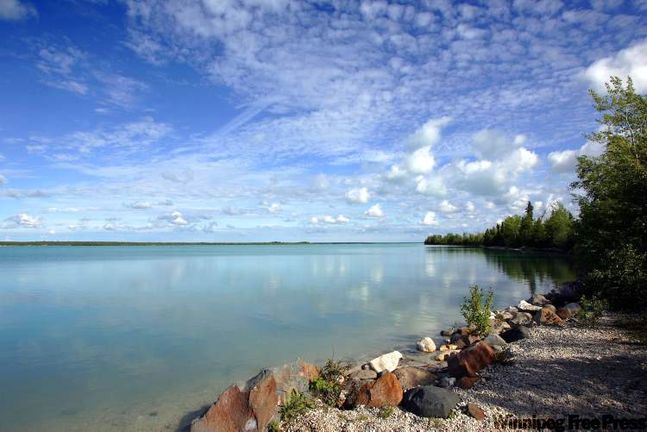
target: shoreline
<point>478,390</point>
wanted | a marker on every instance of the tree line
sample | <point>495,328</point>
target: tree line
<point>609,238</point>
<point>555,231</point>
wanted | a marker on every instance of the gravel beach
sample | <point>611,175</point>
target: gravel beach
<point>590,372</point>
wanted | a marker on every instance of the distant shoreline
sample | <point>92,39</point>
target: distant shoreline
<point>120,243</point>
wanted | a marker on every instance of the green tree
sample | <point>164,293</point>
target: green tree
<point>510,228</point>
<point>560,228</point>
<point>612,193</point>
<point>525,230</point>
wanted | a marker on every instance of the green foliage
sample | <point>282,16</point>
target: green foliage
<point>592,309</point>
<point>476,309</point>
<point>327,386</point>
<point>274,426</point>
<point>296,404</point>
<point>386,412</point>
<point>556,232</point>
<point>611,249</point>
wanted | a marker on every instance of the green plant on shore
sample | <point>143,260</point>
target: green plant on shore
<point>592,309</point>
<point>476,309</point>
<point>328,385</point>
<point>274,426</point>
<point>296,404</point>
<point>386,412</point>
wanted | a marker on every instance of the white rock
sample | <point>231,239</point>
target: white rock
<point>426,344</point>
<point>388,362</point>
<point>525,306</point>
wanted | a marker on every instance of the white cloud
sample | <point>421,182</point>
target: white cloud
<point>566,160</point>
<point>492,144</point>
<point>429,219</point>
<point>3,180</point>
<point>16,10</point>
<point>469,207</point>
<point>447,207</point>
<point>375,211</point>
<point>429,133</point>
<point>358,196</point>
<point>421,161</point>
<point>23,220</point>
<point>274,208</point>
<point>630,61</point>
<point>433,185</point>
<point>139,205</point>
<point>174,218</point>
<point>331,220</point>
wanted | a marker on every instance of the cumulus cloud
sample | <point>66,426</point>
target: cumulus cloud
<point>429,219</point>
<point>421,161</point>
<point>331,220</point>
<point>273,207</point>
<point>23,220</point>
<point>3,180</point>
<point>174,218</point>
<point>433,185</point>
<point>429,133</point>
<point>375,211</point>
<point>470,207</point>
<point>16,10</point>
<point>447,207</point>
<point>358,196</point>
<point>564,161</point>
<point>631,61</point>
<point>139,205</point>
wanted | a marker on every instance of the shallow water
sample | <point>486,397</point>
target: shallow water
<point>133,338</point>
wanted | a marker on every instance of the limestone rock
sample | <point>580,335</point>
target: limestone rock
<point>527,307</point>
<point>469,361</point>
<point>515,334</point>
<point>410,377</point>
<point>426,344</point>
<point>430,401</point>
<point>447,347</point>
<point>386,362</point>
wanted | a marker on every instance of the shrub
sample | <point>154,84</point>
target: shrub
<point>477,309</point>
<point>592,308</point>
<point>327,386</point>
<point>274,426</point>
<point>296,404</point>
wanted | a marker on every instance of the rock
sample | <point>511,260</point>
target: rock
<point>538,300</point>
<point>410,377</point>
<point>443,356</point>
<point>527,307</point>
<point>494,340</point>
<point>500,326</point>
<point>471,360</point>
<point>386,362</point>
<point>467,382</point>
<point>426,344</point>
<point>263,399</point>
<point>430,401</point>
<point>463,331</point>
<point>447,332</point>
<point>446,382</point>
<point>521,318</point>
<point>569,311</point>
<point>294,376</point>
<point>546,316</point>
<point>230,413</point>
<point>476,411</point>
<point>385,391</point>
<point>512,309</point>
<point>515,334</point>
<point>448,347</point>
<point>363,374</point>
<point>504,315</point>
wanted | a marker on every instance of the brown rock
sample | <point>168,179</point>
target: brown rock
<point>263,399</point>
<point>466,382</point>
<point>294,376</point>
<point>230,413</point>
<point>476,411</point>
<point>471,360</point>
<point>309,371</point>
<point>547,316</point>
<point>385,391</point>
<point>410,377</point>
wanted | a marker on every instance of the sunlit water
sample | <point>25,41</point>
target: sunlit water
<point>134,338</point>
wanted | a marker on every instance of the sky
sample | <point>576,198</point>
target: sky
<point>295,120</point>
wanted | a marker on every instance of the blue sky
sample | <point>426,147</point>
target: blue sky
<point>218,120</point>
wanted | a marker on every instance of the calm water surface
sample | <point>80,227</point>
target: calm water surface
<point>133,338</point>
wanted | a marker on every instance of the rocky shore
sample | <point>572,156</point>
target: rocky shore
<point>537,364</point>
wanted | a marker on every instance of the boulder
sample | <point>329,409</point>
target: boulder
<point>527,307</point>
<point>521,318</point>
<point>386,362</point>
<point>569,311</point>
<point>538,300</point>
<point>430,401</point>
<point>294,376</point>
<point>515,334</point>
<point>446,382</point>
<point>476,411</point>
<point>230,413</point>
<point>263,399</point>
<point>471,360</point>
<point>467,382</point>
<point>363,375</point>
<point>500,326</point>
<point>448,347</point>
<point>444,356</point>
<point>426,344</point>
<point>447,332</point>
<point>494,340</point>
<point>411,377</point>
<point>504,315</point>
<point>384,391</point>
<point>547,316</point>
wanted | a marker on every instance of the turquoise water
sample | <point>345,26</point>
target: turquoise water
<point>133,338</point>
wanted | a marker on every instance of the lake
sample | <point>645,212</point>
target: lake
<point>133,338</point>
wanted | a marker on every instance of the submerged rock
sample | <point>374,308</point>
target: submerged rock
<point>430,401</point>
<point>386,362</point>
